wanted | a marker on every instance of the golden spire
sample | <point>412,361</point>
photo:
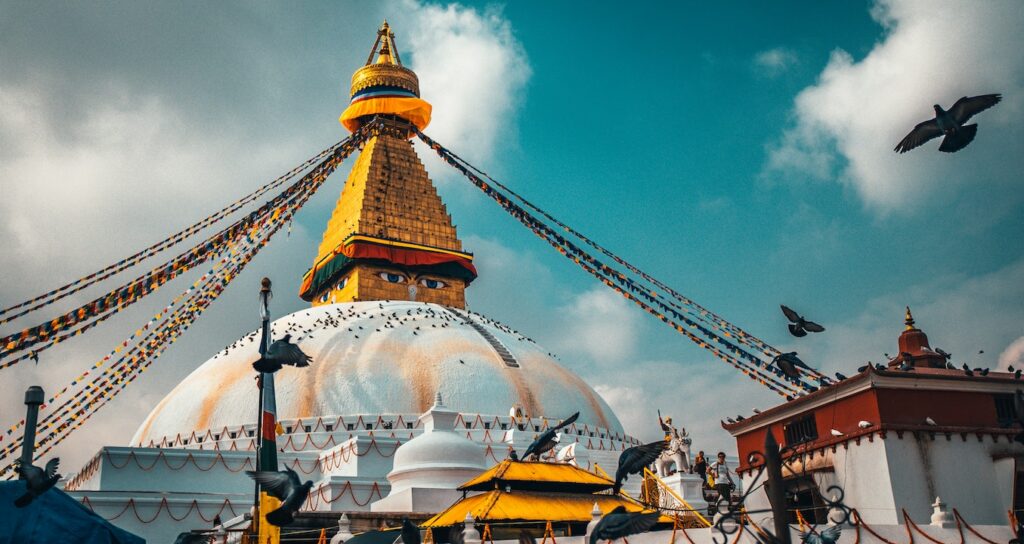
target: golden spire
<point>388,69</point>
<point>909,320</point>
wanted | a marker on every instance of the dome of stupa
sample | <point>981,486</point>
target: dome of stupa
<point>381,357</point>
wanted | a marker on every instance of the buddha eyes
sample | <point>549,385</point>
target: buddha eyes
<point>433,284</point>
<point>391,277</point>
<point>342,283</point>
<point>323,297</point>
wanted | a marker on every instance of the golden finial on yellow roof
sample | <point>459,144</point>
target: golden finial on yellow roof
<point>909,319</point>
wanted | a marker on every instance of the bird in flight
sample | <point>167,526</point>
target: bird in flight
<point>635,459</point>
<point>285,486</point>
<point>619,523</point>
<point>790,364</point>
<point>951,124</point>
<point>282,352</point>
<point>546,441</point>
<point>798,326</point>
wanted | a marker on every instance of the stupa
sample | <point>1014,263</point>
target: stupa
<point>388,330</point>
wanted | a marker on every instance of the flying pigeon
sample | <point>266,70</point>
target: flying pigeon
<point>286,487</point>
<point>37,480</point>
<point>951,124</point>
<point>410,532</point>
<point>188,537</point>
<point>828,536</point>
<point>282,352</point>
<point>798,326</point>
<point>619,523</point>
<point>548,439</point>
<point>634,460</point>
<point>789,364</point>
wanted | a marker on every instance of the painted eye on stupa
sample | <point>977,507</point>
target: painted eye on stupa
<point>342,283</point>
<point>323,297</point>
<point>433,284</point>
<point>391,277</point>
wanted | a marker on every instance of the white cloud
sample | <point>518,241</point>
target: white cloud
<point>931,52</point>
<point>601,325</point>
<point>471,69</point>
<point>773,62</point>
<point>1012,355</point>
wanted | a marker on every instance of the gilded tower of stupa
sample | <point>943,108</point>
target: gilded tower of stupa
<point>390,236</point>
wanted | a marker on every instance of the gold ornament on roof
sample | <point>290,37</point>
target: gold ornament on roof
<point>388,69</point>
<point>908,320</point>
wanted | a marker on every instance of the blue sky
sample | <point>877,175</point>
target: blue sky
<point>739,152</point>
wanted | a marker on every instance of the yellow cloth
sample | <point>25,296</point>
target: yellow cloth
<point>415,110</point>
<point>269,534</point>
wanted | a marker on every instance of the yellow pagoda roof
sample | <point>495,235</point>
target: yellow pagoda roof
<point>499,505</point>
<point>537,476</point>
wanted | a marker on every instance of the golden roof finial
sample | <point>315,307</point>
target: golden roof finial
<point>909,319</point>
<point>387,70</point>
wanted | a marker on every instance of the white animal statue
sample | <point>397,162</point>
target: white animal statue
<point>677,453</point>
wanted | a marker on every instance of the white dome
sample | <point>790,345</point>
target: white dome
<point>438,458</point>
<point>372,358</point>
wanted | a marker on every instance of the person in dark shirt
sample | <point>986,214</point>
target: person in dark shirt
<point>700,467</point>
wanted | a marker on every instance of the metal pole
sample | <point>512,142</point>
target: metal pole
<point>776,487</point>
<point>265,295</point>
<point>33,399</point>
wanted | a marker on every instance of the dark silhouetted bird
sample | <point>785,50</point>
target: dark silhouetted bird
<point>285,486</point>
<point>879,366</point>
<point>840,376</point>
<point>547,439</point>
<point>619,523</point>
<point>188,537</point>
<point>1016,374</point>
<point>828,536</point>
<point>410,532</point>
<point>37,480</point>
<point>943,353</point>
<point>798,326</point>
<point>634,460</point>
<point>1018,413</point>
<point>789,364</point>
<point>513,455</point>
<point>526,538</point>
<point>951,124</point>
<point>282,352</point>
<point>967,370</point>
<point>983,372</point>
<point>863,368</point>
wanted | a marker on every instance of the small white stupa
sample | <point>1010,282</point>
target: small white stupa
<point>428,469</point>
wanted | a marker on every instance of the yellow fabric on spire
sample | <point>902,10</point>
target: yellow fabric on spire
<point>415,110</point>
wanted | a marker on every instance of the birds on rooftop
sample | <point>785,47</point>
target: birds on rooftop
<point>930,421</point>
<point>633,461</point>
<point>548,439</point>
<point>950,124</point>
<point>798,325</point>
<point>37,480</point>
<point>285,486</point>
<point>619,523</point>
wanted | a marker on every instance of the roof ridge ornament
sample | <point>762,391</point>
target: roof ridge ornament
<point>908,320</point>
